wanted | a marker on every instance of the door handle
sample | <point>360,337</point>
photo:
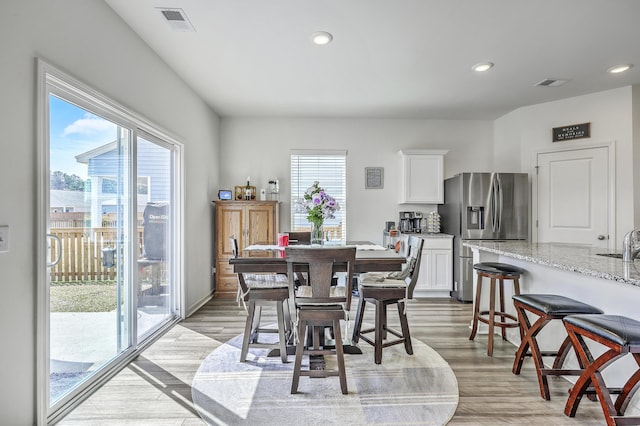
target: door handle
<point>55,262</point>
<point>602,237</point>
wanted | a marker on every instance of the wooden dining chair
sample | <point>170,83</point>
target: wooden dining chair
<point>299,237</point>
<point>319,305</point>
<point>383,290</point>
<point>255,291</point>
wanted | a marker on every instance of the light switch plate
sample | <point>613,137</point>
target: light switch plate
<point>4,238</point>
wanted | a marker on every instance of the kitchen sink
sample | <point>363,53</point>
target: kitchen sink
<point>615,255</point>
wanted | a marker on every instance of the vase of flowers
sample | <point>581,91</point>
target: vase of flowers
<point>318,205</point>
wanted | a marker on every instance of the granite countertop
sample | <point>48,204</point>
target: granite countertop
<point>568,257</point>
<point>428,235</point>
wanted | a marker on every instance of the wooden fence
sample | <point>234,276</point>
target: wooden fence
<point>83,219</point>
<point>81,253</point>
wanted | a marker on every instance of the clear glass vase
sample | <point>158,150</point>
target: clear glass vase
<point>317,233</point>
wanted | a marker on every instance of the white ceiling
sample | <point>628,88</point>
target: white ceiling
<point>391,58</point>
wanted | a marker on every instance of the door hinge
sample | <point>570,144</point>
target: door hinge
<point>537,169</point>
<point>536,223</point>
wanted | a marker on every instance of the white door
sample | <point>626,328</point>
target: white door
<point>573,196</point>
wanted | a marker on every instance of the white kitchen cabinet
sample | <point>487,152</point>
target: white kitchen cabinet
<point>422,177</point>
<point>436,267</point>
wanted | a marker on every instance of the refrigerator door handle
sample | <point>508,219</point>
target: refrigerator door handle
<point>500,203</point>
<point>493,202</point>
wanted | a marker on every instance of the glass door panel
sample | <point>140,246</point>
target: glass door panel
<point>89,210</point>
<point>155,286</point>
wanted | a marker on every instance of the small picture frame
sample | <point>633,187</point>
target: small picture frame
<point>374,177</point>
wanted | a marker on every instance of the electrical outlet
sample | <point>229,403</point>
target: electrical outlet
<point>4,238</point>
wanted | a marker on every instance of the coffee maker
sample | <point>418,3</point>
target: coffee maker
<point>417,221</point>
<point>406,222</point>
<point>410,222</point>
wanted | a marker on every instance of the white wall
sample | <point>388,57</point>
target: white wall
<point>87,40</point>
<point>636,156</point>
<point>259,147</point>
<point>610,115</point>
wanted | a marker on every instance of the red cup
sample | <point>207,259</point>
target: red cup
<point>283,240</point>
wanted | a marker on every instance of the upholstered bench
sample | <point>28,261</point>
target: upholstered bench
<point>499,272</point>
<point>547,307</point>
<point>621,335</point>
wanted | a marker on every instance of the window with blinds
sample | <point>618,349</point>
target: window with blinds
<point>329,169</point>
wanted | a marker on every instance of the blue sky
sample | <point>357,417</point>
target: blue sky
<point>72,131</point>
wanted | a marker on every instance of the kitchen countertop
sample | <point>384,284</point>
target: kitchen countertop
<point>428,235</point>
<point>568,257</point>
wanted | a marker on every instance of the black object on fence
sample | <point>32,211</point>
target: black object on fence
<point>156,217</point>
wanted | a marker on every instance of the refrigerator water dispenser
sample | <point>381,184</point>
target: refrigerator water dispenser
<point>475,217</point>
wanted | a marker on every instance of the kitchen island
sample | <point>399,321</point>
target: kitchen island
<point>574,271</point>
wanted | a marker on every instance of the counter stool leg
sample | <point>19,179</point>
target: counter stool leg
<point>628,390</point>
<point>529,342</point>
<point>516,290</point>
<point>476,309</point>
<point>492,313</point>
<point>590,376</point>
<point>502,317</point>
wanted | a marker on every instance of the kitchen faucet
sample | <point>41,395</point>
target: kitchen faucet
<point>631,245</point>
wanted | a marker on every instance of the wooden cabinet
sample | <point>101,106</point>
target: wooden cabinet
<point>422,180</point>
<point>435,275</point>
<point>250,222</point>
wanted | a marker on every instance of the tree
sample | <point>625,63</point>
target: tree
<point>66,182</point>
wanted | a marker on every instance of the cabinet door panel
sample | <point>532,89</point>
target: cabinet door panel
<point>260,225</point>
<point>425,273</point>
<point>441,261</point>
<point>423,179</point>
<point>229,223</point>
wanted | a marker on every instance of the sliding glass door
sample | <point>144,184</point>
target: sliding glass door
<point>89,230</point>
<point>108,222</point>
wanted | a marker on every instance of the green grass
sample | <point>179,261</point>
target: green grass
<point>81,296</point>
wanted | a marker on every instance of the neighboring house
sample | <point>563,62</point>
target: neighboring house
<point>68,201</point>
<point>153,179</point>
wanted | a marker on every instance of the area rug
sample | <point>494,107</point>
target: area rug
<point>418,389</point>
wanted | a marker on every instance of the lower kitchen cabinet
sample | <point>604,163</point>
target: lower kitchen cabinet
<point>435,275</point>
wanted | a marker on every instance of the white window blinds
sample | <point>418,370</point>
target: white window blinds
<point>329,169</point>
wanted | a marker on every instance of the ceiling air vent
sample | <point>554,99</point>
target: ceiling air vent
<point>177,19</point>
<point>551,82</point>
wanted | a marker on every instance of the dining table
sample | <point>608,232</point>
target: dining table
<point>267,258</point>
<point>263,258</point>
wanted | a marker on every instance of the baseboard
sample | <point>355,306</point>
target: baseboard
<point>199,304</point>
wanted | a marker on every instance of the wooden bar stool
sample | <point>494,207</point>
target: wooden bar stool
<point>495,272</point>
<point>621,335</point>
<point>547,307</point>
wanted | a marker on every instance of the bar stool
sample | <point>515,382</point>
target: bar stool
<point>622,336</point>
<point>500,272</point>
<point>547,307</point>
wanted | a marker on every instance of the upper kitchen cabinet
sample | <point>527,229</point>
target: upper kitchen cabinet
<point>422,177</point>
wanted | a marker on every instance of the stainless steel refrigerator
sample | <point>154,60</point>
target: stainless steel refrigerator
<point>482,206</point>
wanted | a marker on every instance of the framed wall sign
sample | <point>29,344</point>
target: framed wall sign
<point>573,131</point>
<point>374,177</point>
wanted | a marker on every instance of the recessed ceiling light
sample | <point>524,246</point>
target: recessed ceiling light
<point>619,68</point>
<point>482,66</point>
<point>321,38</point>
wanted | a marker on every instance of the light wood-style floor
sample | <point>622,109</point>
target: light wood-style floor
<point>155,389</point>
